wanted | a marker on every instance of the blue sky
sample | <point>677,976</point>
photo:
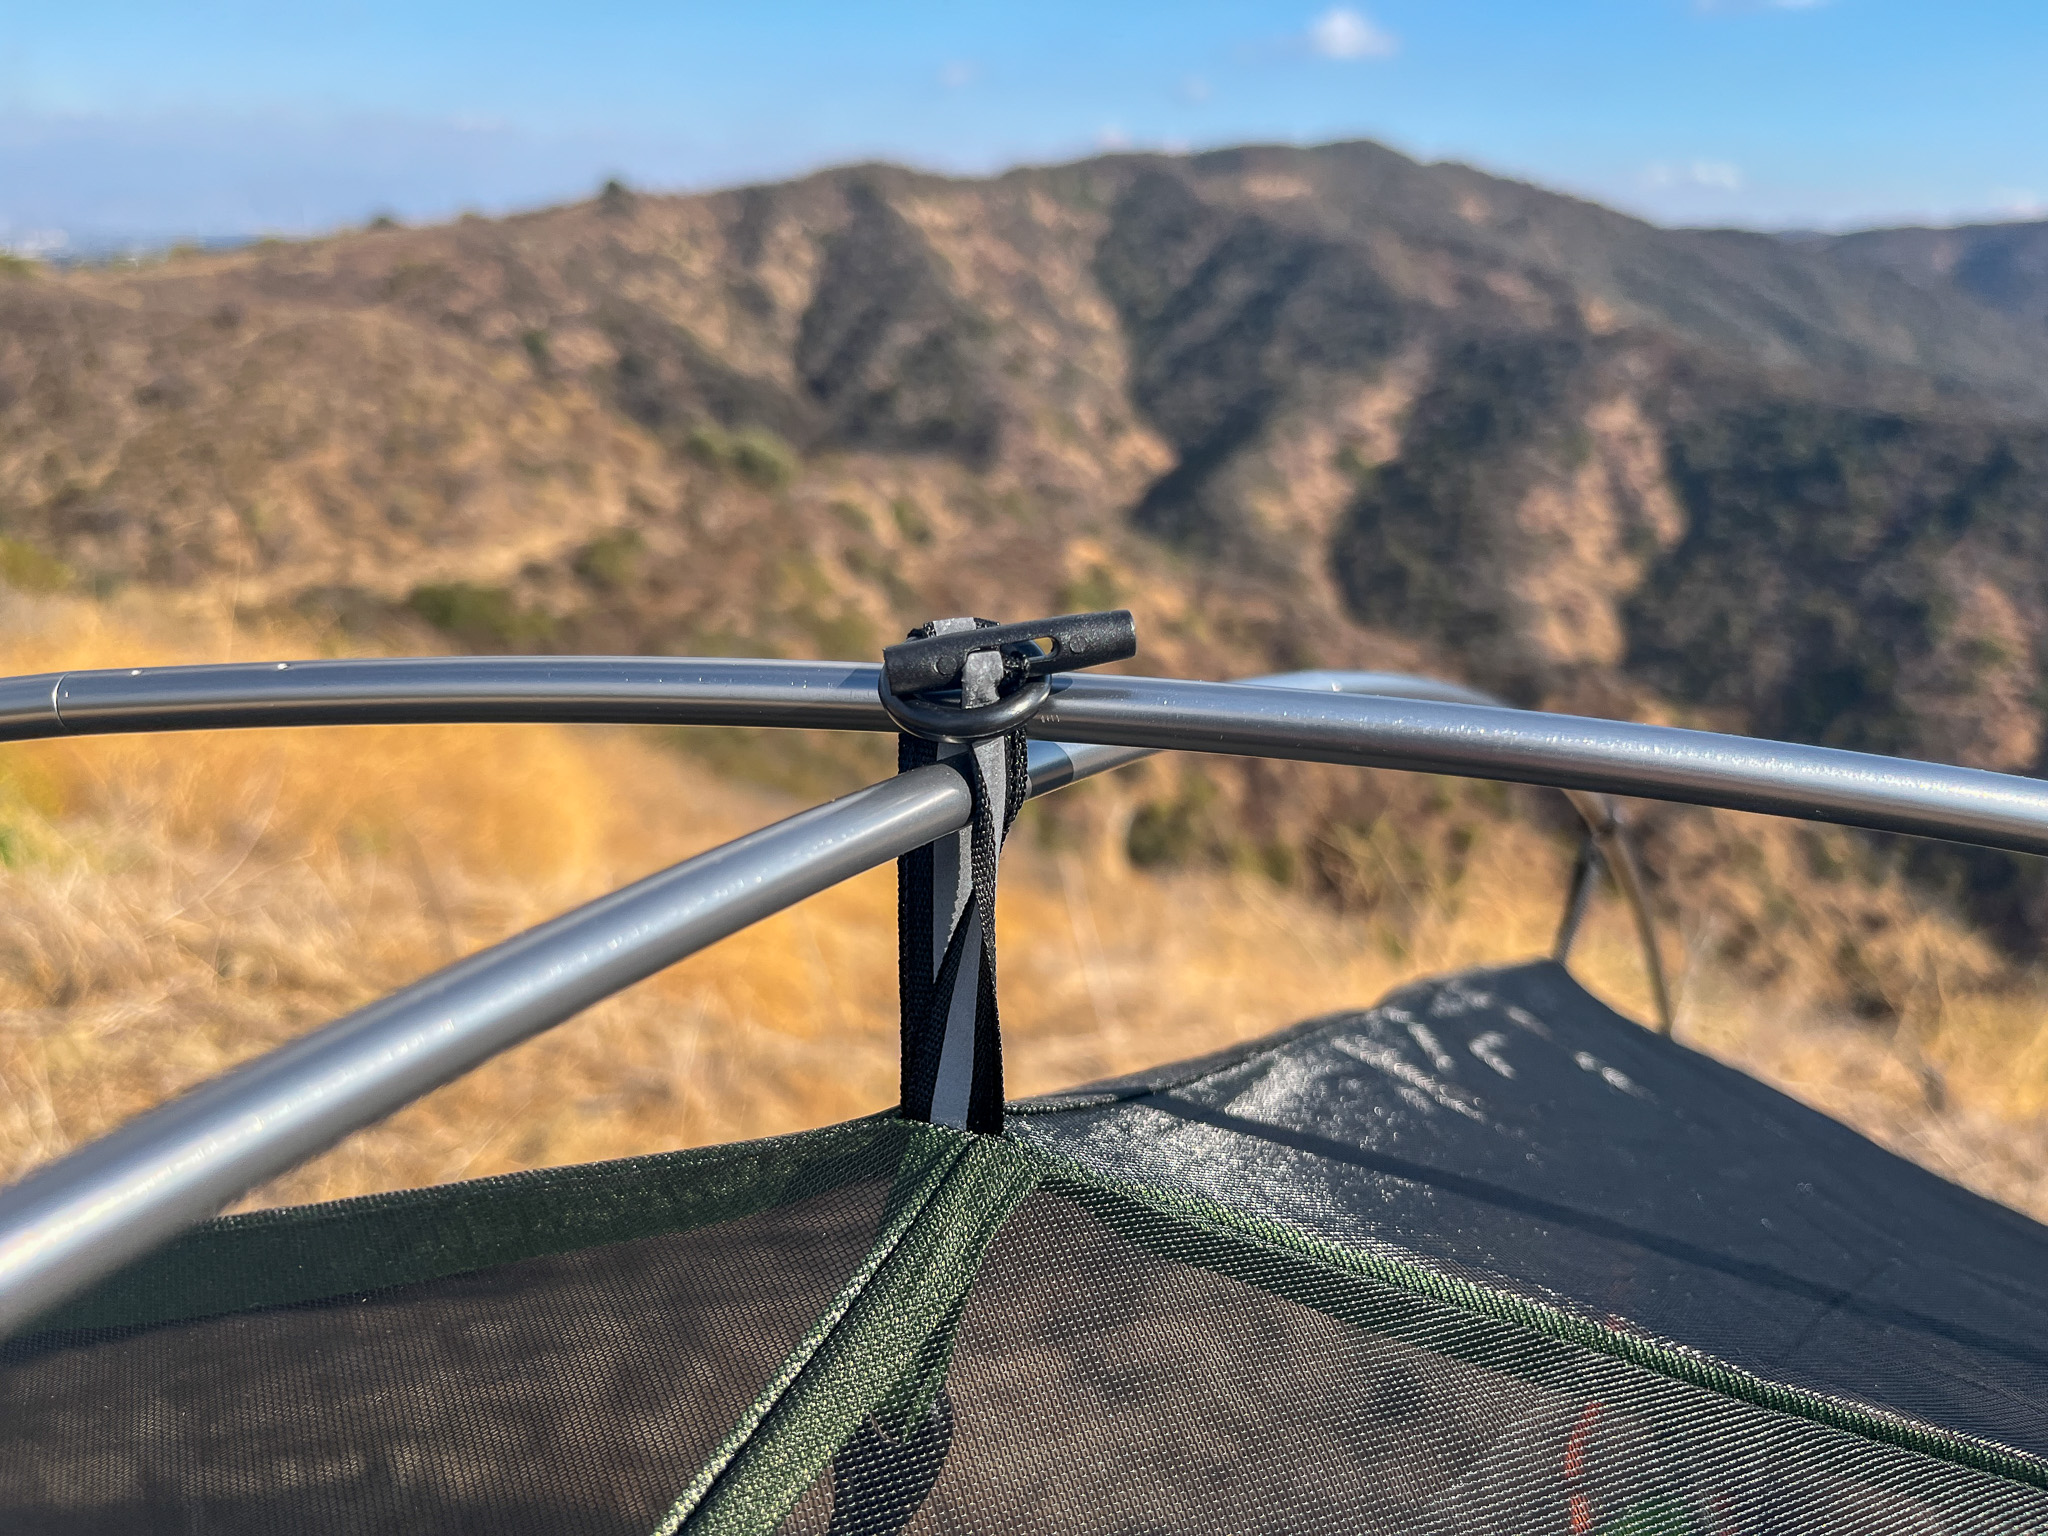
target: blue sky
<point>224,118</point>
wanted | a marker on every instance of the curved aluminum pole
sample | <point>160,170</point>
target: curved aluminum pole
<point>618,690</point>
<point>1605,828</point>
<point>86,1214</point>
<point>1654,762</point>
<point>1375,730</point>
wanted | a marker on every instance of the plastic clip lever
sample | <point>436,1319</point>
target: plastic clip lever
<point>934,664</point>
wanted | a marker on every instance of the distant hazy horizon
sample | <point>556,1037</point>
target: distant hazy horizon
<point>145,124</point>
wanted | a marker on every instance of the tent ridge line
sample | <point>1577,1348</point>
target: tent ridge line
<point>807,1347</point>
<point>1689,1367</point>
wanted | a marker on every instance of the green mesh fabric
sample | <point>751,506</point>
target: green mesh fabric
<point>889,1327</point>
<point>1120,1367</point>
<point>557,1352</point>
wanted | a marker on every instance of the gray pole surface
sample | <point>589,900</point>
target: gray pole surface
<point>619,690</point>
<point>1656,762</point>
<point>86,1214</point>
<point>1383,729</point>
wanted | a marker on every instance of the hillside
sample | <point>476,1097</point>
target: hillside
<point>1321,406</point>
<point>2002,266</point>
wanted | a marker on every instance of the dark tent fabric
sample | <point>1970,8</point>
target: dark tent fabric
<point>1508,1126</point>
<point>1485,1259</point>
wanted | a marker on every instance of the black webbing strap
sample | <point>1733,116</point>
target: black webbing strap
<point>946,919</point>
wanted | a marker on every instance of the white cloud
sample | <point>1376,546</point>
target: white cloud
<point>958,74</point>
<point>1111,137</point>
<point>1344,33</point>
<point>1713,175</point>
<point>33,243</point>
<point>1195,89</point>
<point>2015,203</point>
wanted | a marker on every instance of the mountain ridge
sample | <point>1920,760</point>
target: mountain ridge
<point>2003,266</point>
<point>1296,406</point>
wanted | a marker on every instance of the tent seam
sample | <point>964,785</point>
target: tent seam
<point>1690,1367</point>
<point>807,1348</point>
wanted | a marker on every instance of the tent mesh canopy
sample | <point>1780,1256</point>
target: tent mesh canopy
<point>1487,1258</point>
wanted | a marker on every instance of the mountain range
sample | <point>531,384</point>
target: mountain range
<point>1295,406</point>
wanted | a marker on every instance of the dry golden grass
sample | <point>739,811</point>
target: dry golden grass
<point>172,904</point>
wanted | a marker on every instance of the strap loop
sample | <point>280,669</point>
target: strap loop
<point>947,722</point>
<point>946,917</point>
<point>946,891</point>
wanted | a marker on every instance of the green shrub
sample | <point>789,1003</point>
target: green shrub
<point>854,517</point>
<point>1168,833</point>
<point>847,635</point>
<point>486,618</point>
<point>1092,593</point>
<point>28,569</point>
<point>612,559</point>
<point>1163,835</point>
<point>758,455</point>
<point>910,520</point>
<point>755,454</point>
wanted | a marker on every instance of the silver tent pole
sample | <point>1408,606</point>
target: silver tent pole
<point>86,1214</point>
<point>1655,762</point>
<point>79,1218</point>
<point>621,690</point>
<point>1374,730</point>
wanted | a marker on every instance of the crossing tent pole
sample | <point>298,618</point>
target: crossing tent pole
<point>560,689</point>
<point>1601,816</point>
<point>114,1199</point>
<point>1655,762</point>
<point>607,689</point>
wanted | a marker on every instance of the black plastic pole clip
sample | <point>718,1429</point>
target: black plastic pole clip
<point>917,675</point>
